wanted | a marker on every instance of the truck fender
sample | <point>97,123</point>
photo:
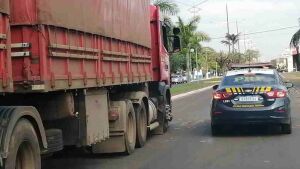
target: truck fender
<point>136,97</point>
<point>9,116</point>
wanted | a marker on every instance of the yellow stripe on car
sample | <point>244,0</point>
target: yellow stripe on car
<point>268,89</point>
<point>233,90</point>
<point>262,89</point>
<point>257,90</point>
<point>228,90</point>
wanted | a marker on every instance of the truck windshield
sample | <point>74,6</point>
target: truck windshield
<point>253,79</point>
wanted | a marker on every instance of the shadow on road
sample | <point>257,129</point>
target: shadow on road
<point>204,130</point>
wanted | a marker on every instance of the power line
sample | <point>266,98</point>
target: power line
<point>265,31</point>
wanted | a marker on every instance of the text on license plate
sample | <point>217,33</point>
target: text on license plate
<point>248,99</point>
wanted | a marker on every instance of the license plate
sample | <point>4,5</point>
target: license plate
<point>248,99</point>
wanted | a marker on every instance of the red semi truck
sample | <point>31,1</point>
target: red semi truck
<point>92,74</point>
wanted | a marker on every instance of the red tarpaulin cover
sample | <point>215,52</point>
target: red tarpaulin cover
<point>127,20</point>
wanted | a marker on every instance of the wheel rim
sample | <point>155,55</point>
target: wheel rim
<point>25,156</point>
<point>130,129</point>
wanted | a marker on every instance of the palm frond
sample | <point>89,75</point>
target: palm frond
<point>193,23</point>
<point>225,42</point>
<point>167,6</point>
<point>202,36</point>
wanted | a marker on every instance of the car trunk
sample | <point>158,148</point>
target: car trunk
<point>248,96</point>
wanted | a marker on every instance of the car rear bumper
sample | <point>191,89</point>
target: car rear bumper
<point>251,121</point>
<point>265,115</point>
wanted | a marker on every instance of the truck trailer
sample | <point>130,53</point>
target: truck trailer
<point>91,74</point>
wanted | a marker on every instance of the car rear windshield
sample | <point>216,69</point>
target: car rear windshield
<point>251,79</point>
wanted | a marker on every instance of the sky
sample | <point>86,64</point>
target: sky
<point>252,16</point>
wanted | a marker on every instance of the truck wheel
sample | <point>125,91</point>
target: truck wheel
<point>24,149</point>
<point>130,133</point>
<point>141,125</point>
<point>163,122</point>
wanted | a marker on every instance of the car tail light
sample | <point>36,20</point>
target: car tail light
<point>280,110</point>
<point>222,95</point>
<point>277,94</point>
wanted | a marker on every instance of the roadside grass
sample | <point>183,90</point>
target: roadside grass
<point>187,87</point>
<point>292,76</point>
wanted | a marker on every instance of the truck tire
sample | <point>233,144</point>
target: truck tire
<point>130,133</point>
<point>163,122</point>
<point>24,149</point>
<point>141,125</point>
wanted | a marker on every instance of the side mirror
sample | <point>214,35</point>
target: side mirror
<point>288,85</point>
<point>215,87</point>
<point>176,31</point>
<point>176,44</point>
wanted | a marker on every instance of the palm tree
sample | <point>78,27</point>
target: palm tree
<point>189,34</point>
<point>231,39</point>
<point>191,37</point>
<point>167,7</point>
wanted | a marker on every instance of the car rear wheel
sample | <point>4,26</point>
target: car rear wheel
<point>215,130</point>
<point>286,128</point>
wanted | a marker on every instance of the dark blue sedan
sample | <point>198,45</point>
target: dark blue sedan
<point>251,96</point>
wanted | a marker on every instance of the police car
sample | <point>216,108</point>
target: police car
<point>251,96</point>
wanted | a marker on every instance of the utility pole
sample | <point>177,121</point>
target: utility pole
<point>216,69</point>
<point>188,65</point>
<point>238,35</point>
<point>197,66</point>
<point>206,64</point>
<point>237,32</point>
<point>245,42</point>
<point>228,31</point>
<point>191,64</point>
<point>194,10</point>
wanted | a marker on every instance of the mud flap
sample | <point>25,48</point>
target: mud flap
<point>115,144</point>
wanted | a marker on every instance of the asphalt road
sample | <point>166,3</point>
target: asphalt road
<point>189,145</point>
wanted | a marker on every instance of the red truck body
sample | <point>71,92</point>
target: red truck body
<point>51,53</point>
<point>82,73</point>
<point>5,60</point>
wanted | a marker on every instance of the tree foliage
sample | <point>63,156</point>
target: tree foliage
<point>167,7</point>
<point>231,40</point>
<point>191,38</point>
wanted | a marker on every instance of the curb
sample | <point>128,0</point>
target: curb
<point>190,93</point>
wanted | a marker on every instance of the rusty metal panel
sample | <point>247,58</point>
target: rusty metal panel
<point>96,105</point>
<point>4,6</point>
<point>127,20</point>
<point>5,59</point>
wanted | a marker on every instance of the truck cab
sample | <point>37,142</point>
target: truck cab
<point>161,45</point>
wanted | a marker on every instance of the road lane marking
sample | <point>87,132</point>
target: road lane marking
<point>191,93</point>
